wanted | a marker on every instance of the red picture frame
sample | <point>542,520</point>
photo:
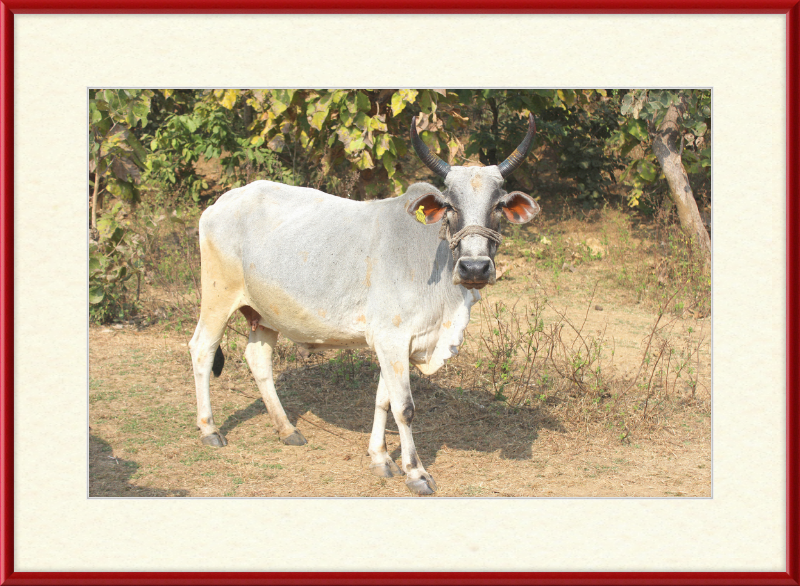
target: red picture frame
<point>8,8</point>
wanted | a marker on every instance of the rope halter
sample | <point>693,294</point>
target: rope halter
<point>454,239</point>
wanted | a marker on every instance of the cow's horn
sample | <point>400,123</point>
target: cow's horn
<point>433,162</point>
<point>508,166</point>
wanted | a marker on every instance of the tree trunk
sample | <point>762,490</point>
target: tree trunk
<point>679,189</point>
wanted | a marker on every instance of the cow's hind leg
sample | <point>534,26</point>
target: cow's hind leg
<point>203,347</point>
<point>259,359</point>
<point>382,464</point>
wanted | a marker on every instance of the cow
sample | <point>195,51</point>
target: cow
<point>329,272</point>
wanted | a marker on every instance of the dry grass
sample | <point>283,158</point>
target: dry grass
<point>524,359</point>
<point>144,442</point>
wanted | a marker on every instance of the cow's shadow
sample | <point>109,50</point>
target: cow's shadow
<point>110,476</point>
<point>461,419</point>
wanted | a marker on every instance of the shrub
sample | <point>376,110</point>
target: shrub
<point>115,258</point>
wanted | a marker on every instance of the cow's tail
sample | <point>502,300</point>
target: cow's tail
<point>219,362</point>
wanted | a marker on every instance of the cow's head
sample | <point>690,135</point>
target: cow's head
<point>471,207</point>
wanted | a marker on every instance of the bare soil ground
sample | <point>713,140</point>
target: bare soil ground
<point>144,443</point>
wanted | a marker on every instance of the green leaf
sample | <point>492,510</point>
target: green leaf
<point>278,107</point>
<point>318,119</point>
<point>141,110</point>
<point>138,149</point>
<point>362,102</point>
<point>96,295</point>
<point>567,96</point>
<point>229,98</point>
<point>397,103</point>
<point>382,145</point>
<point>345,135</point>
<point>346,117</point>
<point>103,126</point>
<point>426,103</point>
<point>647,170</point>
<point>189,123</point>
<point>356,144</point>
<point>95,115</point>
<point>402,97</point>
<point>124,190</point>
<point>365,161</point>
<point>637,129</point>
<point>351,103</point>
<point>376,123</point>
<point>283,96</point>
<point>700,129</point>
<point>388,160</point>
<point>323,102</point>
<point>627,103</point>
<point>277,143</point>
<point>362,121</point>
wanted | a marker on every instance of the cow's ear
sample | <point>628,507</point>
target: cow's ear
<point>428,208</point>
<point>519,208</point>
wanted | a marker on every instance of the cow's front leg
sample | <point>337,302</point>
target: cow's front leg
<point>395,375</point>
<point>382,464</point>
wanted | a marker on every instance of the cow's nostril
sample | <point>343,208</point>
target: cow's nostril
<point>475,269</point>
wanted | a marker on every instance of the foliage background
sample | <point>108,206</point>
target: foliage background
<point>168,153</point>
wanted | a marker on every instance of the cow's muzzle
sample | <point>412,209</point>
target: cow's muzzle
<point>474,272</point>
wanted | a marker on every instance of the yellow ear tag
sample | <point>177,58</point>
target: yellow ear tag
<point>421,215</point>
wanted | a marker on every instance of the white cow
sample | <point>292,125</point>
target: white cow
<point>328,272</point>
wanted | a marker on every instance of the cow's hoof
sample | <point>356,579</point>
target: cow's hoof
<point>296,439</point>
<point>422,486</point>
<point>386,470</point>
<point>215,439</point>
